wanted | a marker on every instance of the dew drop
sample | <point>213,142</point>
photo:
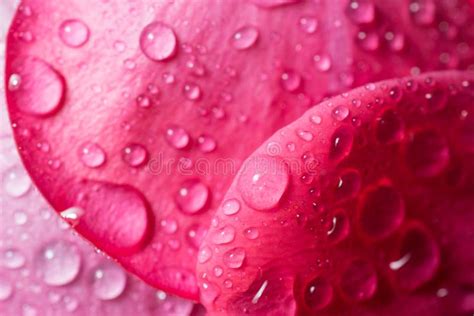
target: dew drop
<point>192,91</point>
<point>358,281</point>
<point>206,143</point>
<point>245,37</point>
<point>417,258</point>
<point>308,24</point>
<point>192,196</point>
<point>169,225</point>
<point>381,211</point>
<point>340,113</point>
<point>16,181</point>
<point>135,155</point>
<point>341,143</point>
<point>177,137</point>
<point>338,228</point>
<point>436,100</point>
<point>251,233</point>
<point>368,41</point>
<point>290,81</point>
<point>158,41</point>
<point>12,259</point>
<point>204,255</point>
<point>143,101</point>
<point>6,289</point>
<point>59,263</point>
<point>231,207</point>
<point>209,292</point>
<point>218,271</point>
<point>72,215</point>
<point>20,217</point>
<point>92,155</point>
<point>322,62</point>
<point>389,127</point>
<point>427,153</point>
<point>395,41</point>
<point>361,11</point>
<point>109,281</point>
<point>262,182</point>
<point>316,119</point>
<point>348,184</point>
<point>224,235</point>
<point>74,33</point>
<point>422,11</point>
<point>307,136</point>
<point>195,235</point>
<point>234,258</point>
<point>38,88</point>
<point>318,293</point>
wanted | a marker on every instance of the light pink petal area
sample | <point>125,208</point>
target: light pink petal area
<point>136,115</point>
<point>370,215</point>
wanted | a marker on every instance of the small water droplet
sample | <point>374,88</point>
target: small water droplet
<point>218,271</point>
<point>135,155</point>
<point>318,293</point>
<point>381,211</point>
<point>290,80</point>
<point>262,182</point>
<point>169,225</point>
<point>224,235</point>
<point>109,281</point>
<point>422,11</point>
<point>338,227</point>
<point>305,135</point>
<point>72,215</point>
<point>359,281</point>
<point>361,11</point>
<point>16,181</point>
<point>92,155</point>
<point>369,40</point>
<point>251,233</point>
<point>341,143</point>
<point>234,258</point>
<point>192,91</point>
<point>308,24</point>
<point>38,88</point>
<point>12,258</point>
<point>195,235</point>
<point>204,255</point>
<point>322,62</point>
<point>192,196</point>
<point>158,41</point>
<point>177,137</point>
<point>245,37</point>
<point>340,113</point>
<point>231,207</point>
<point>74,33</point>
<point>209,292</point>
<point>395,40</point>
<point>59,263</point>
<point>20,217</point>
<point>206,143</point>
<point>6,289</point>
<point>143,101</point>
<point>436,100</point>
<point>316,119</point>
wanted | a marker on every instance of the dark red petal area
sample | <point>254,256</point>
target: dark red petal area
<point>140,111</point>
<point>366,210</point>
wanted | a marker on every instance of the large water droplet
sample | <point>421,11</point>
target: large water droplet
<point>245,37</point>
<point>231,207</point>
<point>262,182</point>
<point>416,259</point>
<point>158,41</point>
<point>92,155</point>
<point>318,293</point>
<point>192,196</point>
<point>341,143</point>
<point>389,127</point>
<point>74,33</point>
<point>427,153</point>
<point>38,89</point>
<point>224,235</point>
<point>59,263</point>
<point>234,258</point>
<point>361,11</point>
<point>177,137</point>
<point>12,259</point>
<point>381,211</point>
<point>16,181</point>
<point>358,281</point>
<point>109,281</point>
<point>135,155</point>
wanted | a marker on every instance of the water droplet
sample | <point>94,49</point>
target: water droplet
<point>234,258</point>
<point>361,11</point>
<point>338,227</point>
<point>218,271</point>
<point>109,281</point>
<point>436,100</point>
<point>209,293</point>
<point>195,235</point>
<point>348,184</point>
<point>290,81</point>
<point>395,41</point>
<point>59,263</point>
<point>143,101</point>
<point>417,257</point>
<point>427,153</point>
<point>381,211</point>
<point>16,181</point>
<point>204,255</point>
<point>224,235</point>
<point>262,182</point>
<point>192,196</point>
<point>318,293</point>
<point>20,217</point>
<point>74,33</point>
<point>12,259</point>
<point>308,24</point>
<point>322,62</point>
<point>206,143</point>
<point>6,289</point>
<point>358,281</point>
<point>135,155</point>
<point>340,113</point>
<point>158,41</point>
<point>231,207</point>
<point>305,135</point>
<point>169,225</point>
<point>251,233</point>
<point>316,119</point>
<point>422,11</point>
<point>40,91</point>
<point>228,284</point>
<point>192,91</point>
<point>389,127</point>
<point>92,155</point>
<point>28,310</point>
<point>368,41</point>
<point>177,137</point>
<point>72,215</point>
<point>245,37</point>
<point>341,143</point>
